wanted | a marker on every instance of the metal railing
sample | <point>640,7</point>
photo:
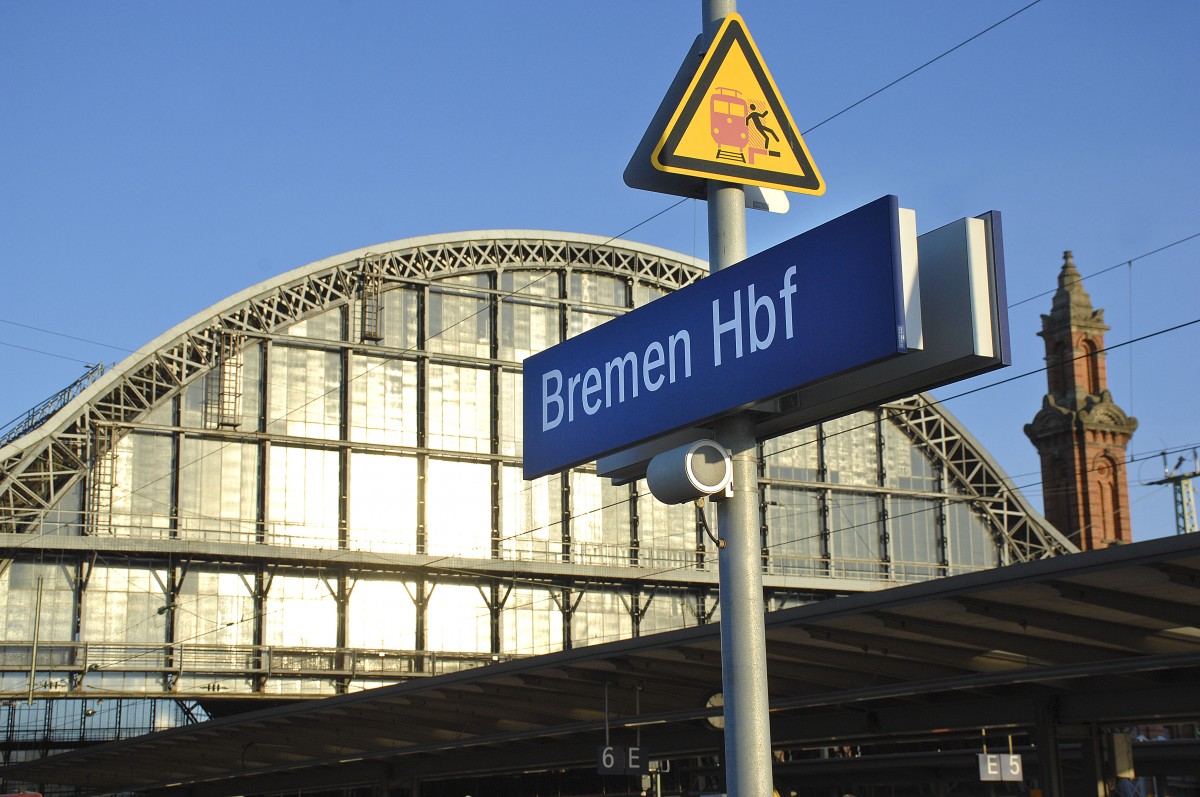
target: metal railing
<point>45,409</point>
<point>523,549</point>
<point>63,668</point>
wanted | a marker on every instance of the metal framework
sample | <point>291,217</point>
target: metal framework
<point>1054,652</point>
<point>1184,495</point>
<point>79,446</point>
<point>1023,534</point>
<point>46,409</point>
<point>37,470</point>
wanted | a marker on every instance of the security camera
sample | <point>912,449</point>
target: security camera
<point>690,471</point>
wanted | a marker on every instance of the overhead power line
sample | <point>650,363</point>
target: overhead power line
<point>65,335</point>
<point>47,353</point>
<point>931,61</point>
<point>1128,262</point>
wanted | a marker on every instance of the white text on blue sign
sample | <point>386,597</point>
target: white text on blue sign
<point>820,304</point>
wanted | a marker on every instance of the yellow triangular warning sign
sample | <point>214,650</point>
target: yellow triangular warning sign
<point>732,124</point>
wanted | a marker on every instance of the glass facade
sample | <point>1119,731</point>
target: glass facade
<point>361,517</point>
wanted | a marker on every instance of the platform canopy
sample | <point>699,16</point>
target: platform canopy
<point>1108,637</point>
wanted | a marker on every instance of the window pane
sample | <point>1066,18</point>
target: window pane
<point>215,608</point>
<point>458,509</point>
<point>969,541</point>
<point>644,294</point>
<point>850,453</point>
<point>194,412</point>
<point>18,600</point>
<point>666,610</point>
<point>600,617</point>
<point>792,456</point>
<point>383,503</point>
<point>323,326</point>
<point>303,497</point>
<point>460,321</point>
<point>460,408</point>
<point>218,490</point>
<point>511,413</point>
<point>599,521</point>
<point>457,619</point>
<point>794,541</point>
<point>400,315</point>
<point>300,612</point>
<point>580,321</point>
<point>531,520</point>
<point>666,533</point>
<point>906,465</point>
<point>531,622</point>
<point>382,615</point>
<point>586,286</point>
<point>530,282</point>
<point>305,391</point>
<point>854,534</point>
<point>121,605</point>
<point>121,608</point>
<point>383,400</point>
<point>142,480</point>
<point>914,537</point>
<point>526,329</point>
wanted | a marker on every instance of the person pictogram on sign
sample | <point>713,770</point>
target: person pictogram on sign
<point>755,117</point>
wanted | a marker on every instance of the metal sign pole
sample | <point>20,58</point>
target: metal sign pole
<point>743,637</point>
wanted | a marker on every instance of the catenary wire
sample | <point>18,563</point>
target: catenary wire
<point>1128,262</point>
<point>931,61</point>
<point>1036,371</point>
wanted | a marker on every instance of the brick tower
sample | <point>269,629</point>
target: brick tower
<point>1080,433</point>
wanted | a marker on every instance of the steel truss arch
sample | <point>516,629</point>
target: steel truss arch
<point>70,450</point>
<point>1023,534</point>
<point>37,469</point>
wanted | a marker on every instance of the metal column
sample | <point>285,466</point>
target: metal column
<point>743,636</point>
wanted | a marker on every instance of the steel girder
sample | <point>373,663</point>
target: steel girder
<point>1023,533</point>
<point>36,470</point>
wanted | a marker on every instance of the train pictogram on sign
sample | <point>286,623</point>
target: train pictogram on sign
<point>732,124</point>
<point>732,117</point>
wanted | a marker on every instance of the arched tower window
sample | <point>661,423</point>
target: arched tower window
<point>1108,502</point>
<point>1091,367</point>
<point>1060,369</point>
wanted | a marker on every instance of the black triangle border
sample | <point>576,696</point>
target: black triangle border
<point>736,32</point>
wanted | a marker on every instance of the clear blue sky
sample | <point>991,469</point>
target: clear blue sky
<point>156,157</point>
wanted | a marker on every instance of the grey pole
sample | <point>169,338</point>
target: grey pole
<point>743,636</point>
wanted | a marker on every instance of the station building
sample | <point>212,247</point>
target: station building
<point>314,488</point>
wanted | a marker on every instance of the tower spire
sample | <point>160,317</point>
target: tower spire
<point>1070,286</point>
<point>1080,433</point>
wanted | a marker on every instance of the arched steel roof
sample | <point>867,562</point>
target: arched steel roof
<point>39,467</point>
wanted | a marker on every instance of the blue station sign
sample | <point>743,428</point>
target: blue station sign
<point>825,302</point>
